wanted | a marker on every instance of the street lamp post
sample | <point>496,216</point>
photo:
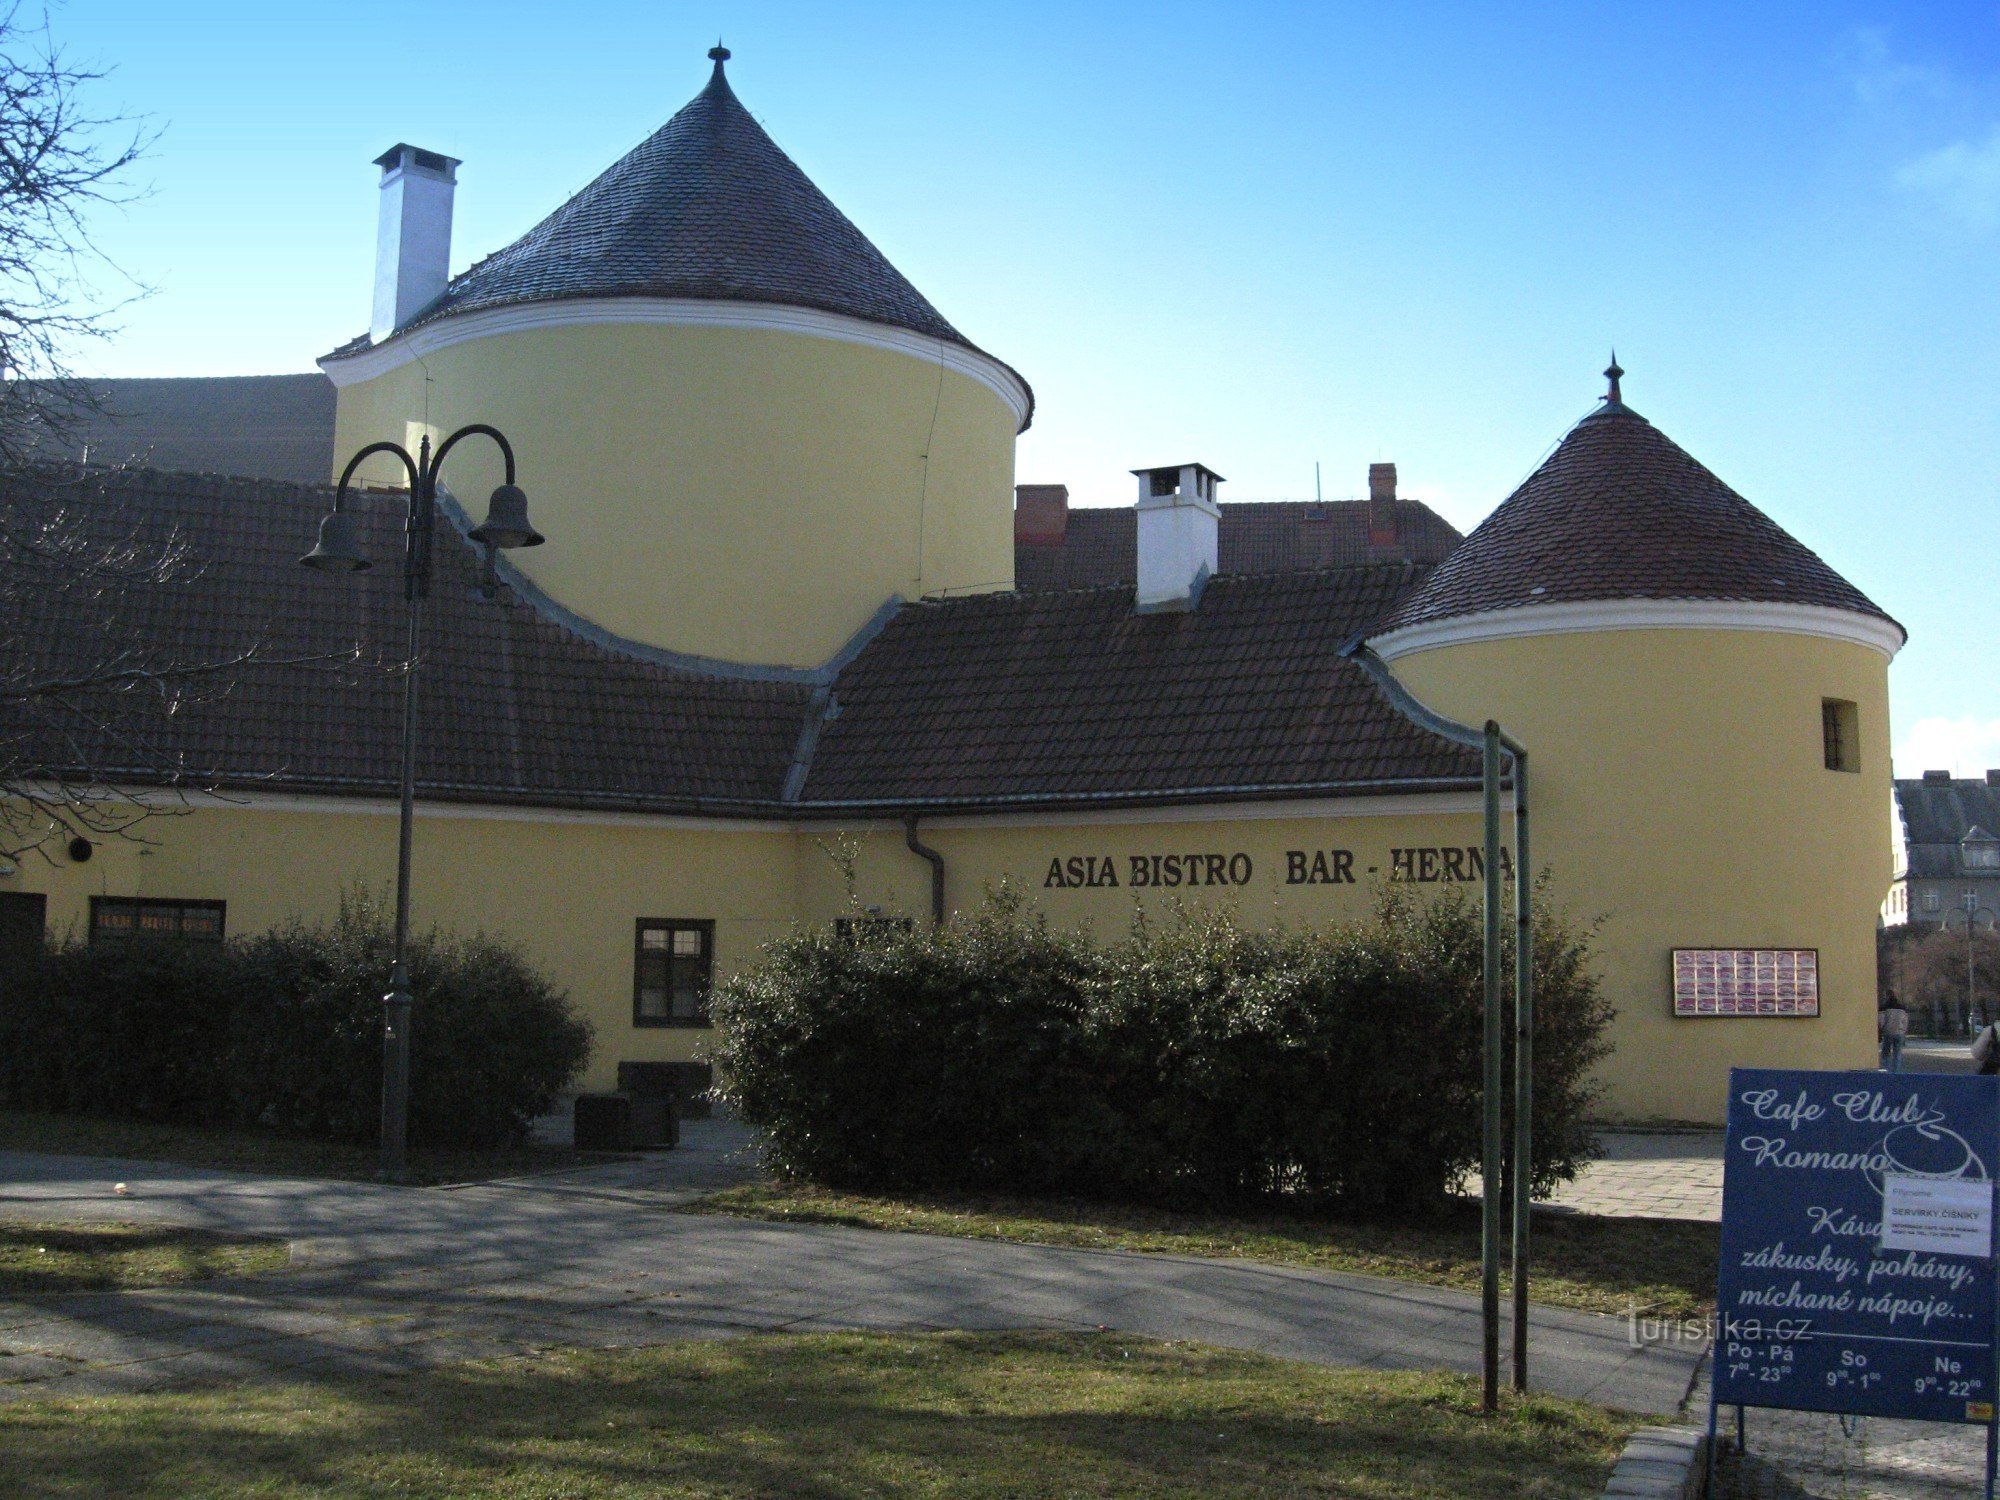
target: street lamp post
<point>339,551</point>
<point>1970,903</point>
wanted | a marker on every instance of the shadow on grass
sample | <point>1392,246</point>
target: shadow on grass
<point>267,1151</point>
<point>40,1259</point>
<point>832,1416</point>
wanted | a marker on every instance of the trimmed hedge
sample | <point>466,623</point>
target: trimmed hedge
<point>284,1030</point>
<point>1200,1064</point>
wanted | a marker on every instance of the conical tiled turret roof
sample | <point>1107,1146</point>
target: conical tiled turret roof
<point>1621,511</point>
<point>706,207</point>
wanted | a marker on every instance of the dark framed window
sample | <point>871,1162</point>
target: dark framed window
<point>673,963</point>
<point>115,918</point>
<point>857,930</point>
<point>24,921</point>
<point>1840,729</point>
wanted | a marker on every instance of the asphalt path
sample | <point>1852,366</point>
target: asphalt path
<point>389,1279</point>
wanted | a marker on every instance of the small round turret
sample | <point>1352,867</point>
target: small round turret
<point>744,428</point>
<point>1700,694</point>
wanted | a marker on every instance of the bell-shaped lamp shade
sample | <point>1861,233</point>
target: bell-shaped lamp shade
<point>339,546</point>
<point>506,524</point>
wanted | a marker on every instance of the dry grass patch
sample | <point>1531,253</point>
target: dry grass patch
<point>962,1415</point>
<point>1597,1264</point>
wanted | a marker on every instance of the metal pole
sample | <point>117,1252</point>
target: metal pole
<point>1489,1219</point>
<point>396,1004</point>
<point>1524,1062</point>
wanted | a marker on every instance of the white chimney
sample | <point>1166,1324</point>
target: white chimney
<point>413,238</point>
<point>1178,522</point>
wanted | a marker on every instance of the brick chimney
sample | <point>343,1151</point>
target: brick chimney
<point>1382,530</point>
<point>413,234</point>
<point>1041,513</point>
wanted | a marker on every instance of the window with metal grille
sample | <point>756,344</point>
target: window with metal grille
<point>672,967</point>
<point>1840,728</point>
<point>116,918</point>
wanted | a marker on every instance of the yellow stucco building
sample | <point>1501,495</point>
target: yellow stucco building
<point>797,650</point>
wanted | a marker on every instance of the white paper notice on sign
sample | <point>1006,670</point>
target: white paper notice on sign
<point>1938,1215</point>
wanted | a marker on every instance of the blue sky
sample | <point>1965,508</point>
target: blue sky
<point>1257,235</point>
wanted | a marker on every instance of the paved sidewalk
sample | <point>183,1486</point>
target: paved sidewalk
<point>1647,1174</point>
<point>1926,1055</point>
<point>1651,1175</point>
<point>389,1279</point>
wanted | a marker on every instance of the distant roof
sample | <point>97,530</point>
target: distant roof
<point>707,207</point>
<point>1099,544</point>
<point>968,702</point>
<point>1938,816</point>
<point>249,426</point>
<point>1620,511</point>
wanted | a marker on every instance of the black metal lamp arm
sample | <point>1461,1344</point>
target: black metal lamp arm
<point>475,428</point>
<point>347,474</point>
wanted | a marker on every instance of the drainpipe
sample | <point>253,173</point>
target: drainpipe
<point>924,851</point>
<point>1494,745</point>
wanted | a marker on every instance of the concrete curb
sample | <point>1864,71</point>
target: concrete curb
<point>1660,1463</point>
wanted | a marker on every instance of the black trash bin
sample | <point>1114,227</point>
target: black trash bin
<point>603,1122</point>
<point>685,1083</point>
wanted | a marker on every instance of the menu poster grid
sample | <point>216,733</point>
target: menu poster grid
<point>1746,981</point>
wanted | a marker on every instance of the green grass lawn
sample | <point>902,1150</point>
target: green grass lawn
<point>262,1151</point>
<point>963,1415</point>
<point>1664,1266</point>
<point>40,1259</point>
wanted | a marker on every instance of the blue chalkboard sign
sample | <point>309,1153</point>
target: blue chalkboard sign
<point>1813,1312</point>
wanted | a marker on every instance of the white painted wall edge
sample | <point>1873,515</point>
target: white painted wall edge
<point>1414,804</point>
<point>676,312</point>
<point>1871,631</point>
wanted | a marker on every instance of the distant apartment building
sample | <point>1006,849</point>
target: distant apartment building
<point>1947,850</point>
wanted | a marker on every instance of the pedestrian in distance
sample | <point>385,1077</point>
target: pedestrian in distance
<point>1892,1024</point>
<point>1986,1050</point>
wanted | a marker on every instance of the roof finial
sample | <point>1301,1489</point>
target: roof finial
<point>721,55</point>
<point>1613,374</point>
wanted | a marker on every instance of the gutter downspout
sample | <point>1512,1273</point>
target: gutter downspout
<point>1493,742</point>
<point>924,851</point>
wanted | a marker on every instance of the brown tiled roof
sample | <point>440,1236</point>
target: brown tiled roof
<point>1620,511</point>
<point>1043,696</point>
<point>707,207</point>
<point>1099,544</point>
<point>980,700</point>
<point>512,706</point>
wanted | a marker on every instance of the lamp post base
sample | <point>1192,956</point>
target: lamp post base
<point>396,1080</point>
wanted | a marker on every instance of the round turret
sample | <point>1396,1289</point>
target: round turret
<point>743,429</point>
<point>1699,693</point>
